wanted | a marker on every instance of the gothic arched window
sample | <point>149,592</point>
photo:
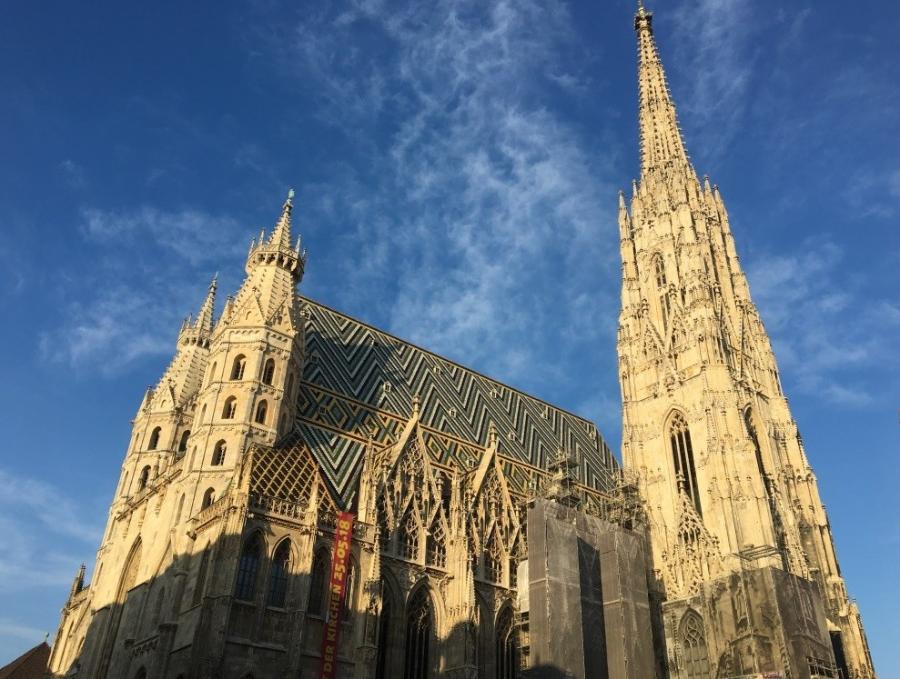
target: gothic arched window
<point>278,575</point>
<point>230,408</point>
<point>419,623</point>
<point>384,635</point>
<point>154,439</point>
<point>409,536</point>
<point>659,270</point>
<point>268,372</point>
<point>505,648</point>
<point>317,583</point>
<point>493,559</point>
<point>208,497</point>
<point>182,444</point>
<point>237,368</point>
<point>248,567</point>
<point>683,457</point>
<point>436,544</point>
<point>144,478</point>
<point>693,644</point>
<point>218,456</point>
<point>261,409</point>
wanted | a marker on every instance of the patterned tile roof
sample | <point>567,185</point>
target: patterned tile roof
<point>360,381</point>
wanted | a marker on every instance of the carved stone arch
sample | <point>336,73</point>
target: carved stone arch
<point>678,440</point>
<point>484,635</point>
<point>390,628</point>
<point>694,658</point>
<point>422,631</point>
<point>506,642</point>
<point>432,585</point>
<point>249,575</point>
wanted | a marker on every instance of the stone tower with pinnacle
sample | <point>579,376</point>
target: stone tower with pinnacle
<point>732,501</point>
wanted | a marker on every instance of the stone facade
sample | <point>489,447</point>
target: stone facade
<point>706,426</point>
<point>495,534</point>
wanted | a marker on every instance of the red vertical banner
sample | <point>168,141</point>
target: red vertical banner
<point>337,592</point>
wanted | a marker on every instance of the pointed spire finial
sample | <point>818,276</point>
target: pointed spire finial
<point>281,234</point>
<point>205,316</point>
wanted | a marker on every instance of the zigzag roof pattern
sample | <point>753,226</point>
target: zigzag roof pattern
<point>360,381</point>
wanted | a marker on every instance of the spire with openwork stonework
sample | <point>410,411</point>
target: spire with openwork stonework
<point>662,147</point>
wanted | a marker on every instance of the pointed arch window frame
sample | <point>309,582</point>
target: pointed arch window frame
<point>684,464</point>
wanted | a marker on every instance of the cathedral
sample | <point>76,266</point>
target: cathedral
<point>305,495</point>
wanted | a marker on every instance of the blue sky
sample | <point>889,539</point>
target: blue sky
<point>456,165</point>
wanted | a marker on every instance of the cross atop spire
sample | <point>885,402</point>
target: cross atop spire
<point>662,147</point>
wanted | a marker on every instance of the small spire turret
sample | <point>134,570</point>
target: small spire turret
<point>277,248</point>
<point>204,323</point>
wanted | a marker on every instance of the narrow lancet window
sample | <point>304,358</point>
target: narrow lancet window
<point>693,643</point>
<point>419,623</point>
<point>248,567</point>
<point>506,649</point>
<point>261,410</point>
<point>230,408</point>
<point>154,439</point>
<point>218,456</point>
<point>268,372</point>
<point>683,458</point>
<point>237,368</point>
<point>278,575</point>
<point>317,583</point>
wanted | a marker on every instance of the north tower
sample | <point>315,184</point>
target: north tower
<point>742,547</point>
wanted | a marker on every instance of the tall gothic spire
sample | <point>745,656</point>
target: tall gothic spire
<point>661,144</point>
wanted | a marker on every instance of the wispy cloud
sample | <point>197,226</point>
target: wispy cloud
<point>129,304</point>
<point>477,192</point>
<point>29,510</point>
<point>193,235</point>
<point>824,330</point>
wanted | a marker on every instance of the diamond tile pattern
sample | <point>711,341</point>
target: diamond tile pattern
<point>359,381</point>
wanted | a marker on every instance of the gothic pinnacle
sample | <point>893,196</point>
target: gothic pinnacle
<point>281,235</point>
<point>204,321</point>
